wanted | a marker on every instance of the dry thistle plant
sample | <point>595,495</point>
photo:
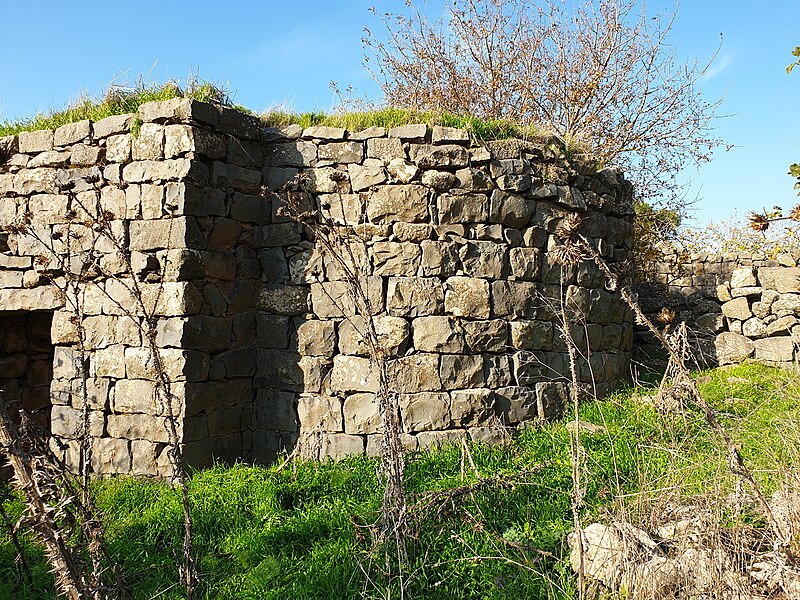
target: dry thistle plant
<point>679,383</point>
<point>71,263</point>
<point>338,242</point>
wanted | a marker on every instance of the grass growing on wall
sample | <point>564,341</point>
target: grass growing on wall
<point>116,101</point>
<point>267,533</point>
<point>121,101</point>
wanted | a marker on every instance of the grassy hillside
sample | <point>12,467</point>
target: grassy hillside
<point>297,532</point>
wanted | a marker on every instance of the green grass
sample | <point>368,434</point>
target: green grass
<point>482,129</point>
<point>121,101</point>
<point>265,533</point>
<point>117,101</point>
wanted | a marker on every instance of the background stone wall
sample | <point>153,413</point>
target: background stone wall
<point>254,321</point>
<point>723,298</point>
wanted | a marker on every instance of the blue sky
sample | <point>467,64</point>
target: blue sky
<point>276,52</point>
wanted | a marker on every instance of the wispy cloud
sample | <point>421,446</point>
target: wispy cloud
<point>718,66</point>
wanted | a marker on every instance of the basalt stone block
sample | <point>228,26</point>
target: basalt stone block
<point>396,258</point>
<point>737,308</point>
<point>35,141</point>
<point>319,412</point>
<point>732,348</point>
<point>353,374</point>
<point>363,177</point>
<point>486,336</point>
<point>440,181</point>
<point>340,445</point>
<point>780,279</point>
<point>316,338</point>
<point>196,333</point>
<point>425,411</point>
<point>369,133</point>
<point>111,455</point>
<point>525,263</point>
<point>472,407</point>
<point>72,133</point>
<point>775,349</point>
<point>401,171</point>
<point>516,404</point>
<point>415,373</point>
<point>432,157</point>
<point>322,132</point>
<point>514,299</point>
<point>275,410</point>
<point>385,149</point>
<point>291,154</point>
<point>438,334</point>
<point>408,203</point>
<point>552,399</point>
<point>336,299</point>
<point>444,135</point>
<point>498,370</point>
<point>361,414</point>
<point>438,258</point>
<point>414,296</point>
<point>411,133</point>
<point>458,371</point>
<point>531,335</point>
<point>511,210</point>
<point>467,207</point>
<point>467,297</point>
<point>393,334</point>
<point>341,152</point>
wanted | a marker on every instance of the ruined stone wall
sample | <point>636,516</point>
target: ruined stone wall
<point>737,306</point>
<point>255,322</point>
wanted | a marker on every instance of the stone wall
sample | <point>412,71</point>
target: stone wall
<point>254,321</point>
<point>724,299</point>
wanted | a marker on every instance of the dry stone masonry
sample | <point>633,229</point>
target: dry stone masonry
<point>256,324</point>
<point>738,306</point>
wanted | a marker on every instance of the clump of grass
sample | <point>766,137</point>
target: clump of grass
<point>117,100</point>
<point>481,129</point>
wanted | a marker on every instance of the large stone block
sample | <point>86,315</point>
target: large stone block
<point>340,445</point>
<point>396,258</point>
<point>738,308</point>
<point>408,203</point>
<point>414,296</point>
<point>332,299</point>
<point>291,154</point>
<point>463,207</point>
<point>775,349</point>
<point>486,336</point>
<point>511,210</point>
<point>275,410</point>
<point>780,279</point>
<point>732,348</point>
<point>111,455</point>
<point>239,178</point>
<point>179,110</point>
<point>385,149</point>
<point>415,373</point>
<point>531,335</point>
<point>319,413</point>
<point>472,407</point>
<point>353,374</point>
<point>341,152</point>
<point>316,338</point>
<point>514,299</point>
<point>425,411</point>
<point>285,300</point>
<point>459,371</point>
<point>141,427</point>
<point>392,335</point>
<point>434,157</point>
<point>552,399</point>
<point>467,297</point>
<point>515,404</point>
<point>525,263</point>
<point>35,141</point>
<point>115,124</point>
<point>361,414</point>
<point>439,258</point>
<point>172,233</point>
<point>438,334</point>
<point>484,259</point>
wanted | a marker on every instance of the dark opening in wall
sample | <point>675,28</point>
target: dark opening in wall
<point>26,365</point>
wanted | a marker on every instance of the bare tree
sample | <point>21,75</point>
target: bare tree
<point>601,73</point>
